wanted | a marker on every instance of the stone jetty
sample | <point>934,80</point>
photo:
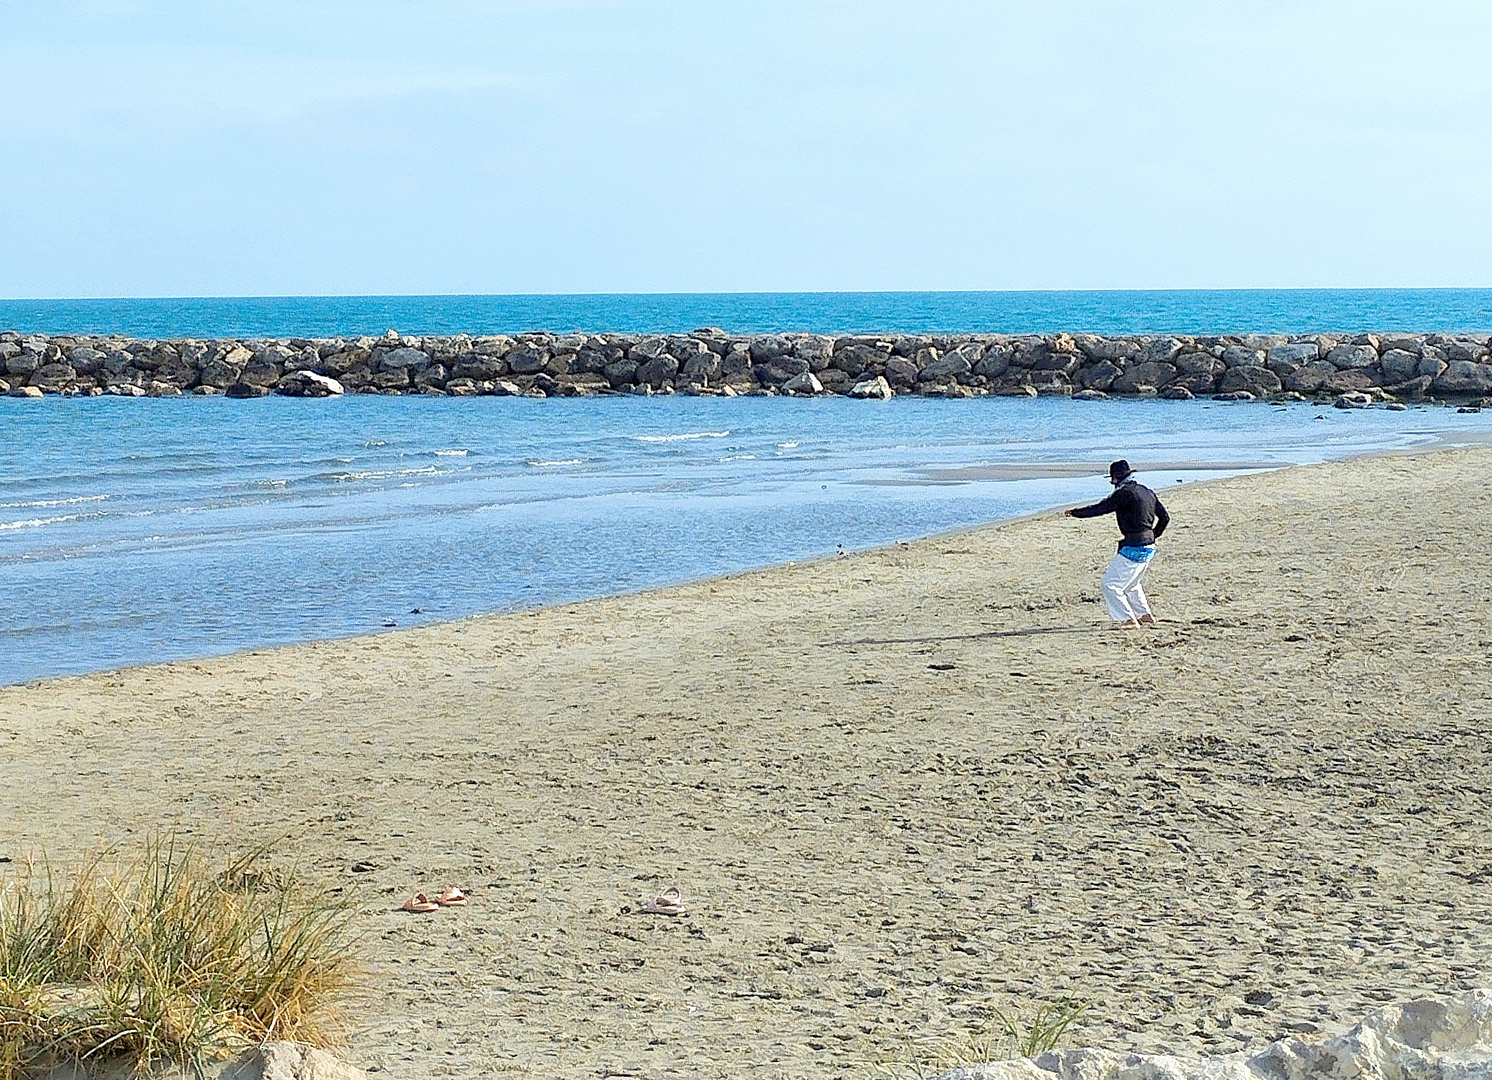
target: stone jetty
<point>1352,369</point>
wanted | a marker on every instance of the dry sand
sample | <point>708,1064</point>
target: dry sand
<point>899,789</point>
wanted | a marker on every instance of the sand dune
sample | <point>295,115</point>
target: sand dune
<point>898,789</point>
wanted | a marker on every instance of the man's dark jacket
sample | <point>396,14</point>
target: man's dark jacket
<point>1141,516</point>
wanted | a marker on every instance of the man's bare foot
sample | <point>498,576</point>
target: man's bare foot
<point>1149,620</point>
<point>1128,624</point>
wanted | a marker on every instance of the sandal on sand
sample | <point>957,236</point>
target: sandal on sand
<point>669,902</point>
<point>452,897</point>
<point>421,903</point>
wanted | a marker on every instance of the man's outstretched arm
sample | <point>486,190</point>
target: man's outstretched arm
<point>1162,519</point>
<point>1098,509</point>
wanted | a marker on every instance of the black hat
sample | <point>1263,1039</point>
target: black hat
<point>1118,470</point>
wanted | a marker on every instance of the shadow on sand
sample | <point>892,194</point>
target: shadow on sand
<point>983,636</point>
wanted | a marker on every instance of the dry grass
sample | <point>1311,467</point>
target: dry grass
<point>160,960</point>
<point>996,1037</point>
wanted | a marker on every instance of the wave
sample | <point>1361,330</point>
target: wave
<point>33,523</point>
<point>386,474</point>
<point>787,446</point>
<point>567,461</point>
<point>678,438</point>
<point>451,453</point>
<point>39,503</point>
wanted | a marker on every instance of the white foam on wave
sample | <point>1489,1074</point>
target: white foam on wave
<point>739,457</point>
<point>546,464</point>
<point>787,446</point>
<point>353,477</point>
<point>683,436</point>
<point>451,453</point>
<point>34,523</point>
<point>39,503</point>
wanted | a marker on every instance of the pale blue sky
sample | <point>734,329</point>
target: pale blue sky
<point>271,147</point>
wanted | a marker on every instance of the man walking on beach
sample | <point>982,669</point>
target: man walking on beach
<point>1142,519</point>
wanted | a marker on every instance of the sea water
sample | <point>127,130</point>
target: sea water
<point>139,530</point>
<point>1177,311</point>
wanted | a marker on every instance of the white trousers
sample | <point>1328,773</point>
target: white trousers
<point>1122,590</point>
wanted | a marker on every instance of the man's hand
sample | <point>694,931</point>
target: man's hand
<point>1067,513</point>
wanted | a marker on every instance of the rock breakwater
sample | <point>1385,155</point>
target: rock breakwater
<point>1354,369</point>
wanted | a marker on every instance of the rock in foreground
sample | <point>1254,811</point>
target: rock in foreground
<point>1447,1039</point>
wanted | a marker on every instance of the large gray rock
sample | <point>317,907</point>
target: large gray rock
<point>434,375</point>
<point>1399,365</point>
<point>527,360</point>
<point>995,361</point>
<point>1204,382</point>
<point>1309,379</point>
<point>780,370</point>
<point>219,373</point>
<point>1347,356</point>
<point>620,373</point>
<point>817,349</point>
<point>772,347</point>
<point>1161,350</point>
<point>1099,348</point>
<point>1340,382</point>
<point>1100,376</point>
<point>805,383</point>
<point>259,371</point>
<point>858,358</point>
<point>703,367</point>
<point>949,366</point>
<point>1448,1039</point>
<point>1059,363</point>
<point>86,360</point>
<point>1259,381</point>
<point>872,388</point>
<point>53,376</point>
<point>1238,356</point>
<point>1465,349</point>
<point>1291,356</point>
<point>1199,363</point>
<point>1432,361</point>
<point>22,363</point>
<point>901,372</point>
<point>657,371</point>
<point>1149,373</point>
<point>178,373</point>
<point>1462,378</point>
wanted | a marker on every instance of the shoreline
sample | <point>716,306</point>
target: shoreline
<point>1352,370</point>
<point>900,789</point>
<point>930,477</point>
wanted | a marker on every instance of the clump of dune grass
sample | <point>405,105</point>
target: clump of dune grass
<point>159,960</point>
<point>996,1037</point>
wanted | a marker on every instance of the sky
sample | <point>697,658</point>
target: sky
<point>282,147</point>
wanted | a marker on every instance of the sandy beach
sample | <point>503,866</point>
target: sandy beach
<point>899,789</point>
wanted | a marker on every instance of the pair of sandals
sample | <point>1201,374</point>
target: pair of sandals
<point>423,905</point>
<point>669,902</point>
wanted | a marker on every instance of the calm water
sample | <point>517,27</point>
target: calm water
<point>1137,312</point>
<point>143,530</point>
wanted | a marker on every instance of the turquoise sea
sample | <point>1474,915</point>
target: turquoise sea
<point>1179,311</point>
<point>134,531</point>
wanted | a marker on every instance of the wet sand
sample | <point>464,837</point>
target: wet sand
<point>899,789</point>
